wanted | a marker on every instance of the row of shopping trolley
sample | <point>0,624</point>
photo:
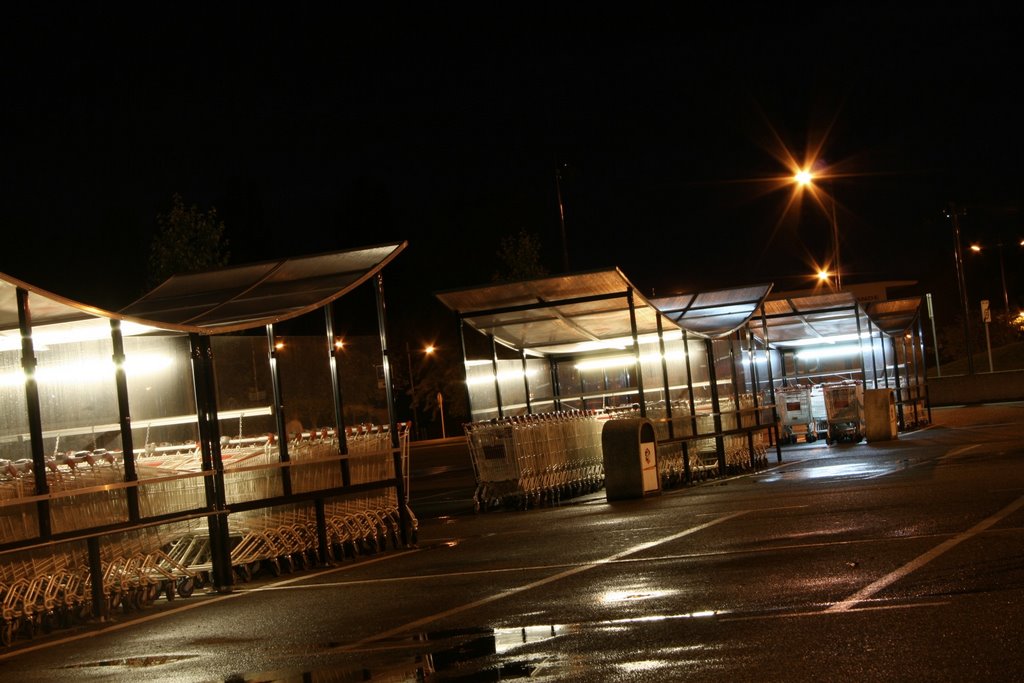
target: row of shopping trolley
<point>528,460</point>
<point>51,586</point>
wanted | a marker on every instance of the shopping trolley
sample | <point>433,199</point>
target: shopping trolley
<point>844,402</point>
<point>795,414</point>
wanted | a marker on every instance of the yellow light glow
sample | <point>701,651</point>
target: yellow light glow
<point>610,362</point>
<point>824,275</point>
<point>429,349</point>
<point>803,177</point>
<point>279,345</point>
<point>976,248</point>
<point>86,370</point>
<point>339,344</point>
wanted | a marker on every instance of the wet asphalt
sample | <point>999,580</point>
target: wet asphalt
<point>898,560</point>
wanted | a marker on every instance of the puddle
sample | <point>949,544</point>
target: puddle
<point>135,662</point>
<point>460,655</point>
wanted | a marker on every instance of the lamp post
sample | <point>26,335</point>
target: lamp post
<point>958,255</point>
<point>429,349</point>
<point>804,178</point>
<point>977,249</point>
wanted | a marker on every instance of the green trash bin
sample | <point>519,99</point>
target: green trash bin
<point>630,452</point>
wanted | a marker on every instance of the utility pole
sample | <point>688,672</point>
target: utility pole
<point>958,254</point>
<point>561,217</point>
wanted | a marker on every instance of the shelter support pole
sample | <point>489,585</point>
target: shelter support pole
<point>462,347</point>
<point>755,378</point>
<point>924,370</point>
<point>885,363</point>
<point>636,352</point>
<point>874,356</point>
<point>899,389</point>
<point>860,346</point>
<point>754,386</point>
<point>282,429</point>
<point>556,388</point>
<point>716,405</point>
<point>35,419</point>
<point>322,544</point>
<point>916,392</point>
<point>99,601</point>
<point>125,419</point>
<point>494,369</point>
<point>400,462</point>
<point>771,383</point>
<point>334,353</point>
<point>664,380</point>
<point>693,407</point>
<point>526,383</point>
<point>212,465</point>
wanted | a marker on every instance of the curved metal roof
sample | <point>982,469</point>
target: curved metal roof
<point>716,313</point>
<point>895,317</point>
<point>213,302</point>
<point>254,295</point>
<point>571,313</point>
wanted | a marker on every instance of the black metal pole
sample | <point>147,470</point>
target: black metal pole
<point>494,368</point>
<point>400,465</point>
<point>125,419</point>
<point>334,351</point>
<point>636,353</point>
<point>664,378</point>
<point>693,407</point>
<point>526,383</point>
<point>716,405</point>
<point>279,416</point>
<point>212,465</point>
<point>35,419</point>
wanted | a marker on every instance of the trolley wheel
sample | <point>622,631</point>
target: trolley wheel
<point>7,633</point>
<point>244,573</point>
<point>185,586</point>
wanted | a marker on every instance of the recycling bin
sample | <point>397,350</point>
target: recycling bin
<point>630,451</point>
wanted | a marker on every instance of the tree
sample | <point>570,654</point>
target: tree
<point>519,258</point>
<point>187,240</point>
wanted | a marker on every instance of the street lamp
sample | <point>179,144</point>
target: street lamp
<point>805,178</point>
<point>427,350</point>
<point>977,249</point>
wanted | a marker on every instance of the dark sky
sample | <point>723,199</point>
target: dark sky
<point>313,130</point>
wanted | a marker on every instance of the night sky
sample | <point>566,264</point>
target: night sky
<point>313,130</point>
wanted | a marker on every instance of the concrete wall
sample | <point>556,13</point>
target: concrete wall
<point>981,387</point>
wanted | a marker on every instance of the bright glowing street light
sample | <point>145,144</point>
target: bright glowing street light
<point>805,177</point>
<point>977,249</point>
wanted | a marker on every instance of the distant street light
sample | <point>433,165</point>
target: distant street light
<point>977,249</point>
<point>805,178</point>
<point>427,350</point>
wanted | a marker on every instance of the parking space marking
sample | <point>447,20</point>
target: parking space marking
<point>921,560</point>
<point>572,571</point>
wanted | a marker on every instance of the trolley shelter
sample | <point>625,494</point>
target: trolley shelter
<point>185,439</point>
<point>823,340</point>
<point>555,357</point>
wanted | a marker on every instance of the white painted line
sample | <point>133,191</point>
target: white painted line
<point>191,605</point>
<point>921,560</point>
<point>417,623</point>
<point>956,452</point>
<point>818,613</point>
